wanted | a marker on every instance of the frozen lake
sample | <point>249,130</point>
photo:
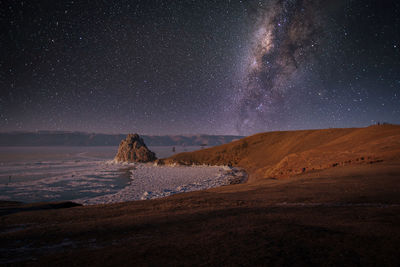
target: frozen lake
<point>88,175</point>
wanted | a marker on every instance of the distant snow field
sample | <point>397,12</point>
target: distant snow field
<point>149,182</point>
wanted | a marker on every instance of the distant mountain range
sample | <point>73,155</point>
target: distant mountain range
<point>61,138</point>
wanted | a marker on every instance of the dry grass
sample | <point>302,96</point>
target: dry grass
<point>283,154</point>
<point>343,215</point>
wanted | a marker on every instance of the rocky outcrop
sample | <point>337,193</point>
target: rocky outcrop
<point>133,149</point>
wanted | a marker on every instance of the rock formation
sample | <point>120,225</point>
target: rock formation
<point>133,149</point>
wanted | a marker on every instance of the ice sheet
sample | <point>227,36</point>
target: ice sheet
<point>150,182</point>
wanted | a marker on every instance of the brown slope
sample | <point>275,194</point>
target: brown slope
<point>282,154</point>
<point>341,216</point>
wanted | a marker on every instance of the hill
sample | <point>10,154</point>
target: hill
<point>345,212</point>
<point>283,154</point>
<point>61,138</point>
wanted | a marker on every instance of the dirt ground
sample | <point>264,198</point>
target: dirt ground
<point>342,215</point>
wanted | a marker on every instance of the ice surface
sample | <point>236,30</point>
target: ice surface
<point>88,176</point>
<point>149,182</point>
<point>60,180</point>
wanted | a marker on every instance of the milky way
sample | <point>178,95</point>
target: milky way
<point>189,67</point>
<point>285,38</point>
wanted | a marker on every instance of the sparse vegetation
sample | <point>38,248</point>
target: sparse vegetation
<point>320,216</point>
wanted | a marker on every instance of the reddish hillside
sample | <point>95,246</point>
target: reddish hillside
<point>339,216</point>
<point>281,154</point>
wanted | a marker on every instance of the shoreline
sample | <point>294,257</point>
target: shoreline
<point>12,206</point>
<point>149,181</point>
<point>341,215</point>
<point>211,177</point>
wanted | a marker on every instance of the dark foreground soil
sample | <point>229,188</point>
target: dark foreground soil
<point>343,216</point>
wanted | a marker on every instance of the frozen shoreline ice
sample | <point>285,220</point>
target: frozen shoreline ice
<point>60,180</point>
<point>84,179</point>
<point>149,182</point>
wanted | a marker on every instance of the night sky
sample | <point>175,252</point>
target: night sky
<point>190,67</point>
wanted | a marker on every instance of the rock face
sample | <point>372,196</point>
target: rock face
<point>133,149</point>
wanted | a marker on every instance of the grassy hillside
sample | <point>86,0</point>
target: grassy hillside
<point>282,154</point>
<point>335,216</point>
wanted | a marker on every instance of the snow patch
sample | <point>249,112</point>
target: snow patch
<point>149,182</point>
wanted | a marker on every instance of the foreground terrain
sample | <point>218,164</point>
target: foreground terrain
<point>330,209</point>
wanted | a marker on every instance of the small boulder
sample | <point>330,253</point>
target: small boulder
<point>159,162</point>
<point>133,149</point>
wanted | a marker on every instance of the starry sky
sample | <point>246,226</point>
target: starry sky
<point>189,67</point>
